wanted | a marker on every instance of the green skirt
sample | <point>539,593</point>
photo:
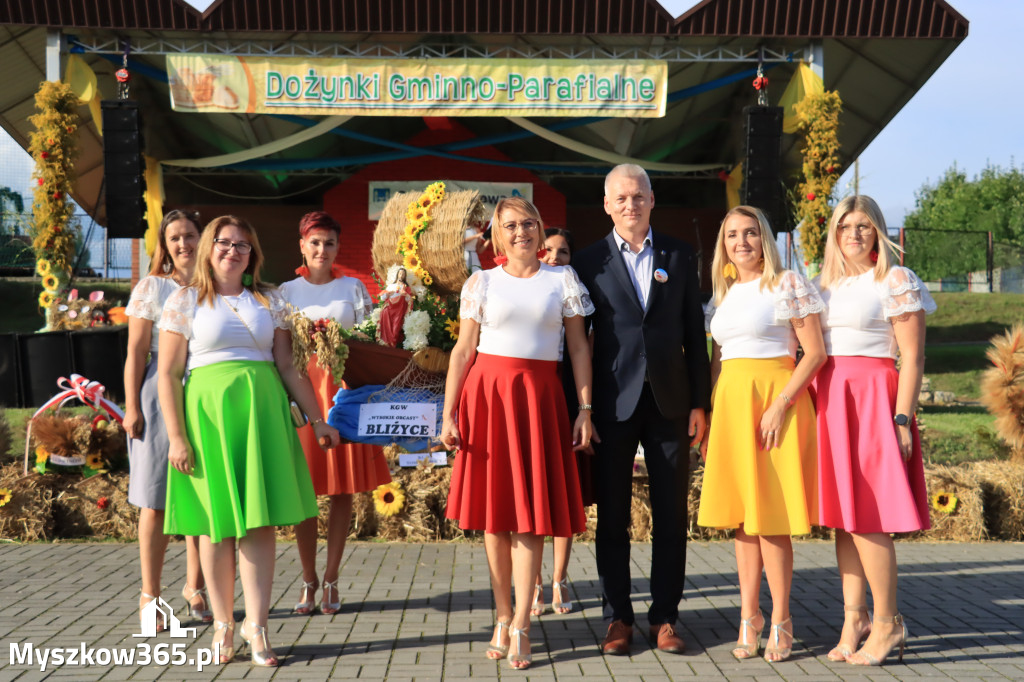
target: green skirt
<point>249,468</point>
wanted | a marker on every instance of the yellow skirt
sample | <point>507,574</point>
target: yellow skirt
<point>773,492</point>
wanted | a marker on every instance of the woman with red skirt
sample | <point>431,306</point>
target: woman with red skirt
<point>515,474</point>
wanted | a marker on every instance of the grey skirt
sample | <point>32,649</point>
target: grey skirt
<point>147,456</point>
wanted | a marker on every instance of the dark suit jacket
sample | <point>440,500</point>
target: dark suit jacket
<point>631,343</point>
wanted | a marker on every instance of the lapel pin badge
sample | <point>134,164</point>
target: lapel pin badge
<point>661,275</point>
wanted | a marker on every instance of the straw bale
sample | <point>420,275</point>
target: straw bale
<point>440,246</point>
<point>967,522</point>
<point>27,516</point>
<point>1002,485</point>
<point>77,512</point>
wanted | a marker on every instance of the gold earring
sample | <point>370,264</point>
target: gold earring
<point>760,264</point>
<point>729,271</point>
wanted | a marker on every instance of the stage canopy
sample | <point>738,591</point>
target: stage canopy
<point>877,55</point>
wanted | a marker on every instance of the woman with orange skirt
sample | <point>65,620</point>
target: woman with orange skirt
<point>504,410</point>
<point>321,291</point>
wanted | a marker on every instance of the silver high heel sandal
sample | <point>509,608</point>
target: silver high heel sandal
<point>188,593</point>
<point>308,604</point>
<point>871,660</point>
<point>226,653</point>
<point>498,651</point>
<point>519,657</point>
<point>774,649</point>
<point>330,607</point>
<point>563,591</point>
<point>747,650</point>
<point>265,658</point>
<point>841,652</point>
<point>159,621</point>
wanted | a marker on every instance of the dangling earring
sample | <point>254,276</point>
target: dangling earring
<point>167,267</point>
<point>303,270</point>
<point>247,279</point>
<point>729,271</point>
<point>873,256</point>
<point>760,264</point>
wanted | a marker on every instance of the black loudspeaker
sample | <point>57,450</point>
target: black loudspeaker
<point>99,355</point>
<point>45,358</point>
<point>123,169</point>
<point>10,382</point>
<point>762,167</point>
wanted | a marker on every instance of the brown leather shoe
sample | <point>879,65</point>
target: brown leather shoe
<point>668,639</point>
<point>616,642</point>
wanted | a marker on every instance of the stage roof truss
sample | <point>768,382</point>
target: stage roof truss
<point>292,48</point>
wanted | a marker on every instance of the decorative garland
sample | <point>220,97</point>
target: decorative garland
<point>419,217</point>
<point>819,122</point>
<point>53,145</point>
<point>325,338</point>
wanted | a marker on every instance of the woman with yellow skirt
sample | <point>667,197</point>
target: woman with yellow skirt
<point>760,453</point>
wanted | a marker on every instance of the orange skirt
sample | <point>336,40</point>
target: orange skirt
<point>353,468</point>
<point>516,469</point>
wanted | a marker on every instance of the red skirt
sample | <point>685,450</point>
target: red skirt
<point>353,468</point>
<point>864,486</point>
<point>516,469</point>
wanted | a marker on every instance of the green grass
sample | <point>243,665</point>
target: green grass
<point>953,434</point>
<point>963,317</point>
<point>21,307</point>
<point>956,368</point>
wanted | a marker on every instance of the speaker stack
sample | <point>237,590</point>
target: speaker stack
<point>124,169</point>
<point>762,167</point>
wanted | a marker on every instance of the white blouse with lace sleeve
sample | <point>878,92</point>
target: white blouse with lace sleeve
<point>905,293</point>
<point>147,302</point>
<point>795,297</point>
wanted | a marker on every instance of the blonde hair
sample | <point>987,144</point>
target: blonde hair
<point>203,279</point>
<point>772,262</point>
<point>517,204</point>
<point>834,266</point>
<point>161,254</point>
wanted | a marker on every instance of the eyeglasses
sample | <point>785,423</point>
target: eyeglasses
<point>225,245</point>
<point>860,229</point>
<point>529,225</point>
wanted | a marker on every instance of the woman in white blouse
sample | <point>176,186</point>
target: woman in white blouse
<point>322,291</point>
<point>174,260</point>
<point>504,410</point>
<point>871,473</point>
<point>238,468</point>
<point>760,471</point>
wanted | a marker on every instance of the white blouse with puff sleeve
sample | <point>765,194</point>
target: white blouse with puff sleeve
<point>522,317</point>
<point>755,323</point>
<point>344,299</point>
<point>860,310</point>
<point>215,334</point>
<point>147,302</point>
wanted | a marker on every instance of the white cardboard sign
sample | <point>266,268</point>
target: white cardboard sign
<point>398,420</point>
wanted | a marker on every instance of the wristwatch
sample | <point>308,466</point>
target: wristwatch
<point>901,420</point>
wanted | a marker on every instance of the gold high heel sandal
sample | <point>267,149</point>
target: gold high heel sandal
<point>498,651</point>
<point>773,636</point>
<point>204,615</point>
<point>747,650</point>
<point>330,607</point>
<point>559,606</point>
<point>524,660</point>
<point>841,651</point>
<point>227,654</point>
<point>160,622</point>
<point>308,604</point>
<point>871,660</point>
<point>266,658</point>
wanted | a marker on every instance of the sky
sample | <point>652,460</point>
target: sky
<point>968,114</point>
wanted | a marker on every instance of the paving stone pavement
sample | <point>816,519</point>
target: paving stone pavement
<point>414,611</point>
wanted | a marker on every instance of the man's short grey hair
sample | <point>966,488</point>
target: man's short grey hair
<point>630,170</point>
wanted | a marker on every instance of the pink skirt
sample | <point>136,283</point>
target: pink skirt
<point>516,469</point>
<point>864,485</point>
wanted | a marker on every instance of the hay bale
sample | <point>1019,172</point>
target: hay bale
<point>1002,486</point>
<point>440,246</point>
<point>95,506</point>
<point>26,517</point>
<point>966,523</point>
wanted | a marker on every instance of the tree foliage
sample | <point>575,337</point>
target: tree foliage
<point>993,201</point>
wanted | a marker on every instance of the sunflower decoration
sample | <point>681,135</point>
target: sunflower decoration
<point>389,499</point>
<point>5,496</point>
<point>50,281</point>
<point>452,326</point>
<point>43,267</point>
<point>944,502</point>
<point>41,455</point>
<point>95,461</point>
<point>419,219</point>
<point>45,299</point>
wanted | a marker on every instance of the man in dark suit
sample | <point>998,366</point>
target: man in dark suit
<point>652,385</point>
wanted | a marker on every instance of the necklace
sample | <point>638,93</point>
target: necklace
<point>238,300</point>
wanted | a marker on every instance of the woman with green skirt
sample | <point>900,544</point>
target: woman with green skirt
<point>236,465</point>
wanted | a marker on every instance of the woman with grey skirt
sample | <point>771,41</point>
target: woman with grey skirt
<point>172,268</point>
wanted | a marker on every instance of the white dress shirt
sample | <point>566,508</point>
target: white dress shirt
<point>638,265</point>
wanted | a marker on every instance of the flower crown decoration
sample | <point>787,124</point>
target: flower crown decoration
<point>419,217</point>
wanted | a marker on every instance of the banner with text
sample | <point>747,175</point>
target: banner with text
<point>490,192</point>
<point>418,87</point>
<point>398,420</point>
